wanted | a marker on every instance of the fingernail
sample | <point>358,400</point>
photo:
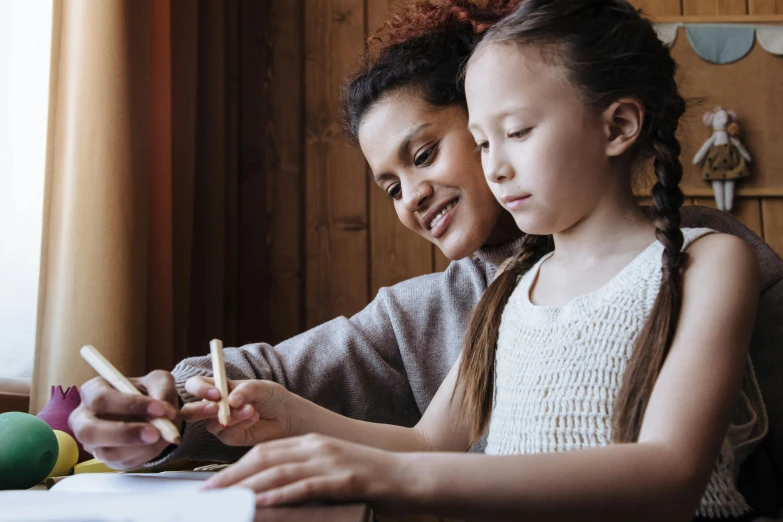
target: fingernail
<point>156,409</point>
<point>149,435</point>
<point>214,395</point>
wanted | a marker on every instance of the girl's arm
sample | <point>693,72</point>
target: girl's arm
<point>663,476</point>
<point>438,429</point>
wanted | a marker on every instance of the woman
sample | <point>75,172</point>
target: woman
<point>408,113</point>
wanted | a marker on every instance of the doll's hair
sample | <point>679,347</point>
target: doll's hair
<point>423,45</point>
<point>733,129</point>
<point>608,51</point>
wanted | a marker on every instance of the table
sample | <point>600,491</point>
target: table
<point>335,513</point>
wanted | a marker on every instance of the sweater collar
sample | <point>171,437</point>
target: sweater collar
<point>494,255</point>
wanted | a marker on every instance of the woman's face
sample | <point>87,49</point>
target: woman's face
<point>426,161</point>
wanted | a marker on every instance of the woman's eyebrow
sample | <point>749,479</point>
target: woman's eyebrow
<point>402,150</point>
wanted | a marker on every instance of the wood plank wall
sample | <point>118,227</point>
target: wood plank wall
<point>335,238</point>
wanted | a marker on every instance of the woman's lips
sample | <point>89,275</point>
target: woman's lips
<point>440,227</point>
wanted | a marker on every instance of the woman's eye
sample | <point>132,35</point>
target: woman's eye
<point>516,135</point>
<point>394,191</point>
<point>426,157</point>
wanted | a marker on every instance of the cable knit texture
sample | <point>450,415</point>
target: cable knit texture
<point>559,370</point>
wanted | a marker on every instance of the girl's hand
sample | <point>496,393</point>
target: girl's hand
<point>260,410</point>
<point>314,467</point>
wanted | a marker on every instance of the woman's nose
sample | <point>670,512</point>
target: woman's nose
<point>413,198</point>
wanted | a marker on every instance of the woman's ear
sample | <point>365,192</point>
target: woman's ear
<point>623,121</point>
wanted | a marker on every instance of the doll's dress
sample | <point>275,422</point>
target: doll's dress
<point>724,162</point>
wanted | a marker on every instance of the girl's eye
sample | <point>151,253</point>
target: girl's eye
<point>426,158</point>
<point>482,146</point>
<point>394,191</point>
<point>516,135</point>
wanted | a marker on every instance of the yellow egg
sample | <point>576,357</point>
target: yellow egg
<point>68,457</point>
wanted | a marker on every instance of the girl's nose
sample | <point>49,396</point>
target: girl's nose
<point>499,171</point>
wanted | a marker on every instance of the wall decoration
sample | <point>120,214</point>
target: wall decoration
<point>724,43</point>
<point>725,158</point>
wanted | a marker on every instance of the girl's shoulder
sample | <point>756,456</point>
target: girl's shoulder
<point>720,255</point>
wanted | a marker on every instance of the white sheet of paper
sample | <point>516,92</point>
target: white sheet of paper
<point>161,497</point>
<point>169,481</point>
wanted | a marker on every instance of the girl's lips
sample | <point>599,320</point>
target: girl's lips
<point>440,227</point>
<point>515,203</point>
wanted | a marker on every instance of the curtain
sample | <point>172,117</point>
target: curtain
<point>160,230</point>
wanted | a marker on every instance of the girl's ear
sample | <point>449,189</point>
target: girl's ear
<point>623,121</point>
<point>708,117</point>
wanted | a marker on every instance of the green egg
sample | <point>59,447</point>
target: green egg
<point>28,450</point>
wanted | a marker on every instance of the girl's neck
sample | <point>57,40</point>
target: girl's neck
<point>616,223</point>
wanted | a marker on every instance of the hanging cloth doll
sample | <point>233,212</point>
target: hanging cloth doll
<point>726,159</point>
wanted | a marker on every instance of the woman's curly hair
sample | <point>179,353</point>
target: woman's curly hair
<point>422,45</point>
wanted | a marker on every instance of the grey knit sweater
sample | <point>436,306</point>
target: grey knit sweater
<point>385,363</point>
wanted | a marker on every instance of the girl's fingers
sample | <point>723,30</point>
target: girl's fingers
<point>258,459</point>
<point>244,417</point>
<point>279,476</point>
<point>198,411</point>
<point>203,388</point>
<point>235,435</point>
<point>251,392</point>
<point>319,487</point>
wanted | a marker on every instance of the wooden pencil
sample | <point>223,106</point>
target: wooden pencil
<point>219,371</point>
<point>106,370</point>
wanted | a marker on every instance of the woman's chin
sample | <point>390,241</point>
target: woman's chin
<point>456,250</point>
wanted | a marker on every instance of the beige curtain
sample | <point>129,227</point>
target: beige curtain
<point>156,154</point>
<point>93,278</point>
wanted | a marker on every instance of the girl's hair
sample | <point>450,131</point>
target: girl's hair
<point>423,46</point>
<point>608,51</point>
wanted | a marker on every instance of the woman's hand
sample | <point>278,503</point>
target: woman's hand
<point>314,467</point>
<point>113,425</point>
<point>260,410</point>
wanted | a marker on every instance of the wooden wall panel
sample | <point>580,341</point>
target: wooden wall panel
<point>714,7</point>
<point>659,7</point>
<point>772,214</point>
<point>282,140</point>
<point>336,178</point>
<point>757,103</point>
<point>765,7</point>
<point>396,253</point>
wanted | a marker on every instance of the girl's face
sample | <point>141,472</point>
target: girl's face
<point>544,153</point>
<point>426,161</point>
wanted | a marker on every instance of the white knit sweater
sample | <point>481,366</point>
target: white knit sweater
<point>558,371</point>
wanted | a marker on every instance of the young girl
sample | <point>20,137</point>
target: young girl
<point>607,360</point>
